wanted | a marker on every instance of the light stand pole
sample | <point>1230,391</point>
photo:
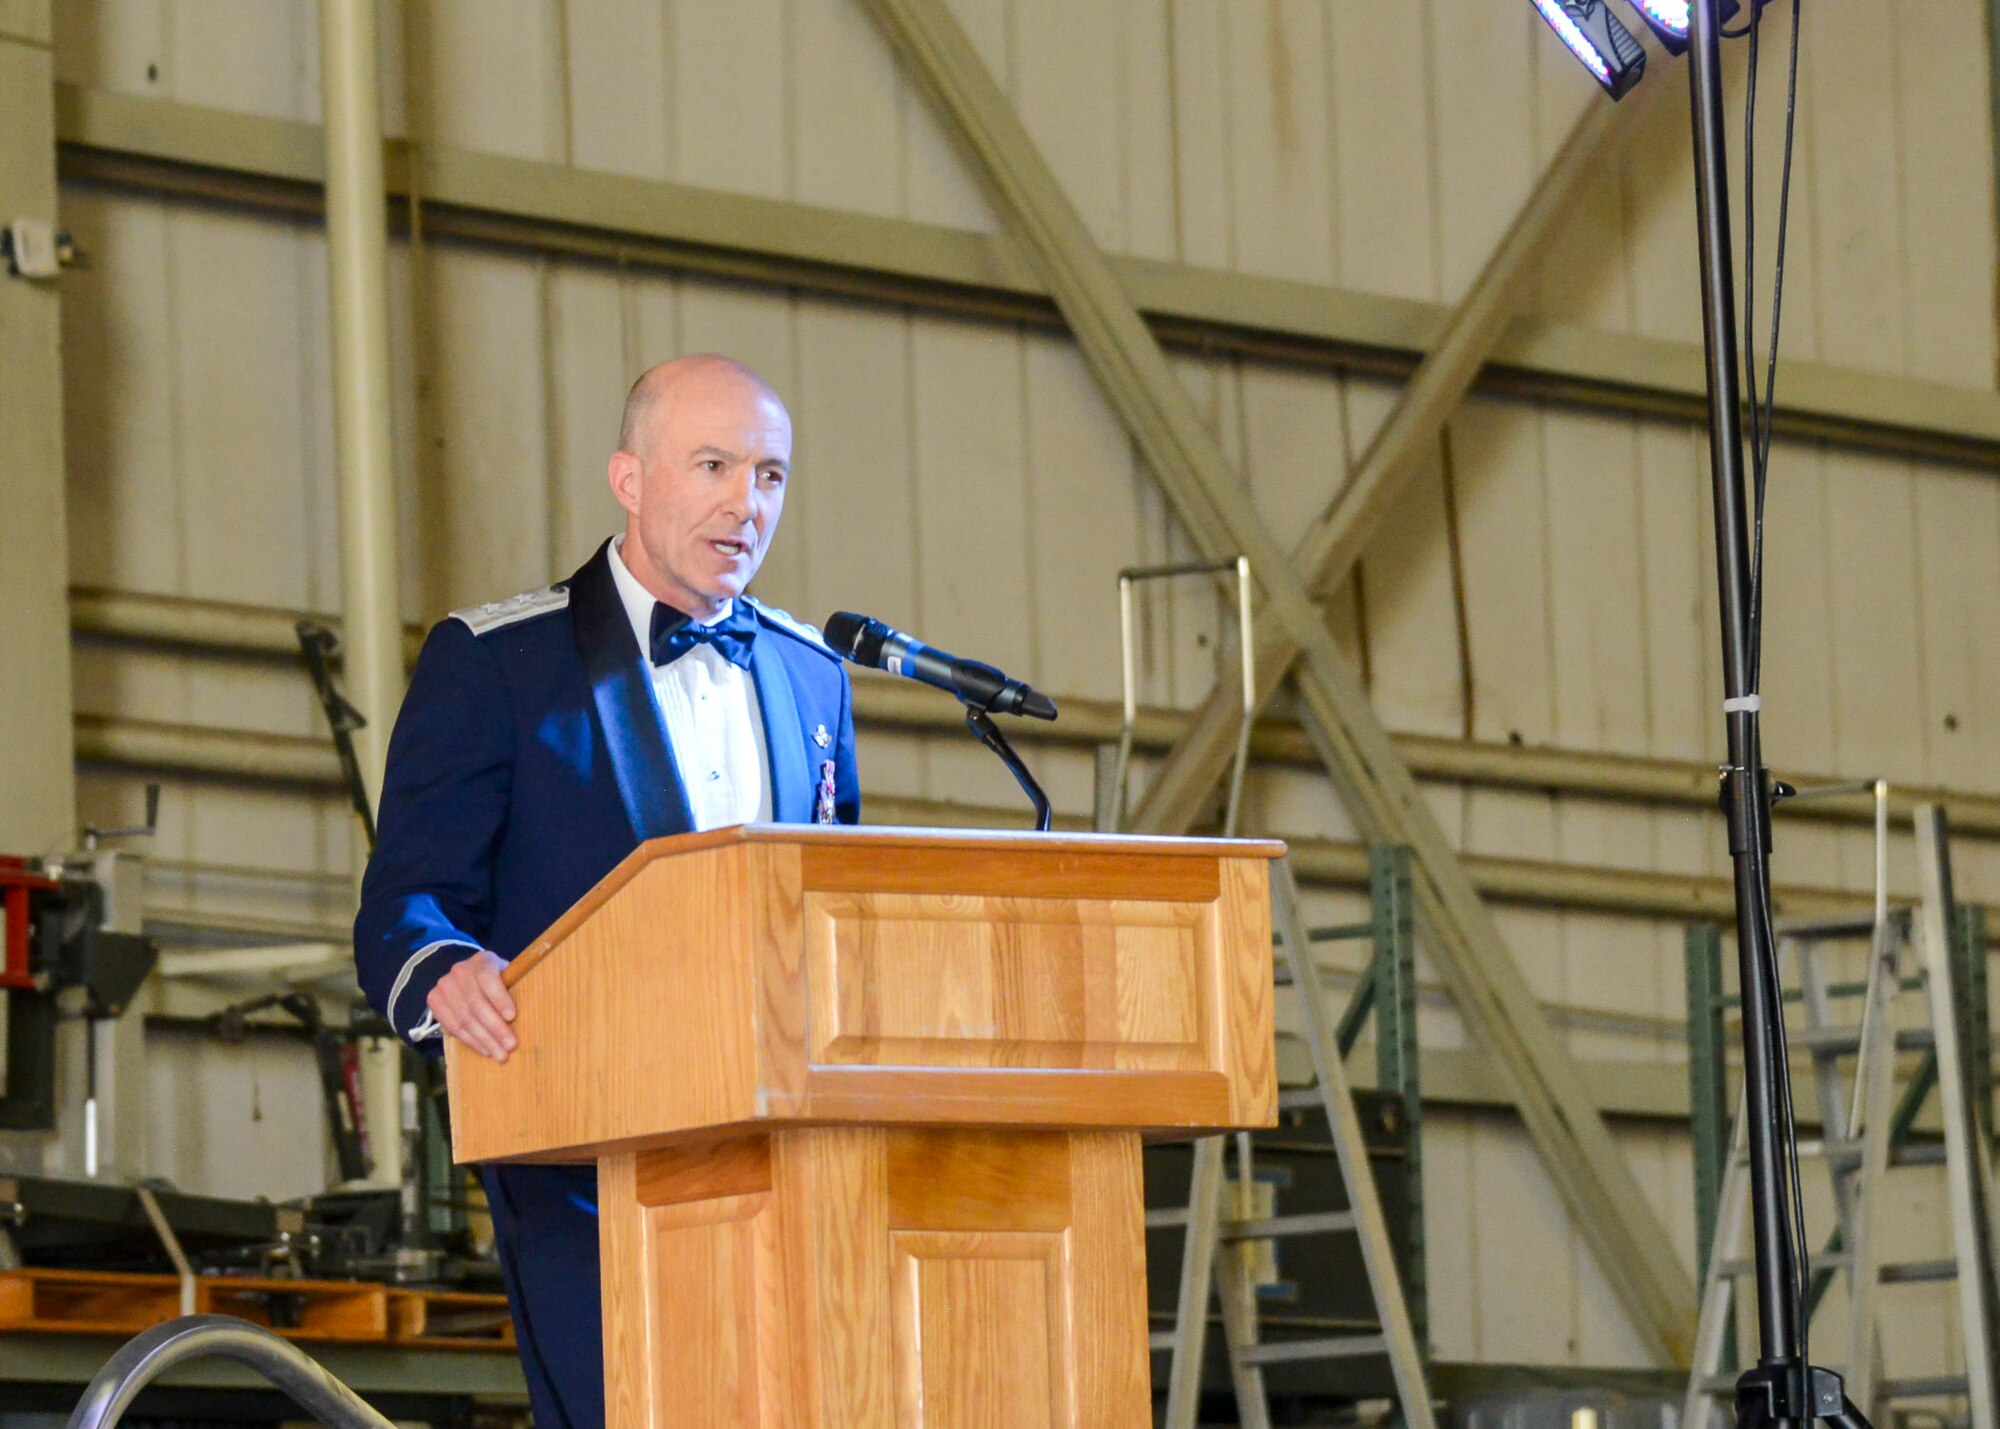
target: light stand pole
<point>1781,1390</point>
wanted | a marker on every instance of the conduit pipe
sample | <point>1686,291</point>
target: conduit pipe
<point>224,628</point>
<point>256,757</point>
<point>357,222</point>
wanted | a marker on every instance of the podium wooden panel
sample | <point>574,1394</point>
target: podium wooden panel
<point>867,1104</point>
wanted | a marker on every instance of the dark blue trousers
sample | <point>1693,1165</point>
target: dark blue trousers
<point>545,1226</point>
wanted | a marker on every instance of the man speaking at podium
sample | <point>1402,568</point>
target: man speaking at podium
<point>546,736</point>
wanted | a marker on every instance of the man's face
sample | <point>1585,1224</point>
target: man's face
<point>705,494</point>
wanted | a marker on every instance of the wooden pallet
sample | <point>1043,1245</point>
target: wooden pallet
<point>450,1319</point>
<point>86,1301</point>
<point>300,1309</point>
<point>354,1312</point>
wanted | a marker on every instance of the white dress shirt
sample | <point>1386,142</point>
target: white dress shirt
<point>714,725</point>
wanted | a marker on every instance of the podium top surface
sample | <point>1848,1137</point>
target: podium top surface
<point>999,840</point>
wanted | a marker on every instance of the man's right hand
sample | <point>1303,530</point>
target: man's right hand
<point>471,1003</point>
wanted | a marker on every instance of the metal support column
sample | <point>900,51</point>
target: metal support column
<point>1394,977</point>
<point>358,298</point>
<point>37,778</point>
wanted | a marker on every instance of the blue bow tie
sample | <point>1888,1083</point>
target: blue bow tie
<point>673,634</point>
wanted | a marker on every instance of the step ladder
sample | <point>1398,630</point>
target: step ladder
<point>1222,1244</point>
<point>1913,975</point>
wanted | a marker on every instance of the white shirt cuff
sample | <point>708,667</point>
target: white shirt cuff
<point>427,1026</point>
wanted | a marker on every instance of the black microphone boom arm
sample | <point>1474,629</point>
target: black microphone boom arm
<point>983,690</point>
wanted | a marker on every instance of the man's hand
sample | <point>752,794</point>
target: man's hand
<point>471,1003</point>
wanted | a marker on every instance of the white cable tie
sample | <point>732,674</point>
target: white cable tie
<point>1743,704</point>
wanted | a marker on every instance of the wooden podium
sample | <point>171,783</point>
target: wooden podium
<point>866,1106</point>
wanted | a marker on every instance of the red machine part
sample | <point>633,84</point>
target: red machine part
<point>18,883</point>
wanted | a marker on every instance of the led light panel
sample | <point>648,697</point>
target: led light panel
<point>1595,36</point>
<point>1669,19</point>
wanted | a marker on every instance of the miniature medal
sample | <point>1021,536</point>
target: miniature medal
<point>826,795</point>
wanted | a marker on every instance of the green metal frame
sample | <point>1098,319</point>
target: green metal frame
<point>1976,1031</point>
<point>1708,1082</point>
<point>1708,1098</point>
<point>1708,1072</point>
<point>1388,991</point>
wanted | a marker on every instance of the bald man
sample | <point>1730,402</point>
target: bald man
<point>547,735</point>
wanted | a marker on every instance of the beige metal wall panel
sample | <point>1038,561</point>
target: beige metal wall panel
<point>582,316</point>
<point>619,119</point>
<point>1372,144</point>
<point>1382,105</point>
<point>1958,589</point>
<point>856,464</point>
<point>243,1124</point>
<point>846,99</point>
<point>1084,505</point>
<point>484,531</point>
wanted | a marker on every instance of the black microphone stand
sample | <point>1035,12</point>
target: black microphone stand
<point>981,724</point>
<point>1782,1391</point>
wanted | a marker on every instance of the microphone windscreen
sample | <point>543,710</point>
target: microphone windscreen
<point>843,632</point>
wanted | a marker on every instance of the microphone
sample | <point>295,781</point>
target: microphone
<point>870,642</point>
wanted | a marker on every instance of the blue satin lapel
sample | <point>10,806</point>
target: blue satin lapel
<point>649,782</point>
<point>791,781</point>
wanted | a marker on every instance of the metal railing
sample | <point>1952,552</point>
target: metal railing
<point>145,1357</point>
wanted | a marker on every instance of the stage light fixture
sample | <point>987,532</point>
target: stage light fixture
<point>1669,19</point>
<point>1596,37</point>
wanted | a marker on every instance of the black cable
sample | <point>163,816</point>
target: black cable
<point>1763,413</point>
<point>1756,594</point>
<point>1784,222</point>
<point>1788,1125</point>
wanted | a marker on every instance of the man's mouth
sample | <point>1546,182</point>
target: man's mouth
<point>731,548</point>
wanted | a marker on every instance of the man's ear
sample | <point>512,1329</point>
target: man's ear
<point>625,473</point>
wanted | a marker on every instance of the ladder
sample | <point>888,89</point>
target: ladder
<point>1912,967</point>
<point>1220,1249</point>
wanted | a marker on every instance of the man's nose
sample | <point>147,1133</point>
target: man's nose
<point>743,494</point>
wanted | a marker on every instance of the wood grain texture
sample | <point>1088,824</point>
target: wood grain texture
<point>703,1171</point>
<point>642,1026</point>
<point>954,1181</point>
<point>855,1278</point>
<point>626,1294</point>
<point>1045,872</point>
<point>1245,1047</point>
<point>703,1263</point>
<point>983,1330</point>
<point>937,980</point>
<point>1188,1101</point>
<point>1108,1266</point>
<point>843,1200</point>
<point>778,941</point>
<point>716,981</point>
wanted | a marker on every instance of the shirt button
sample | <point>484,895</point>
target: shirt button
<point>713,775</point>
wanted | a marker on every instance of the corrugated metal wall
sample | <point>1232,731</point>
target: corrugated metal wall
<point>965,480</point>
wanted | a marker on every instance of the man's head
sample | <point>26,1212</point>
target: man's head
<point>703,455</point>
